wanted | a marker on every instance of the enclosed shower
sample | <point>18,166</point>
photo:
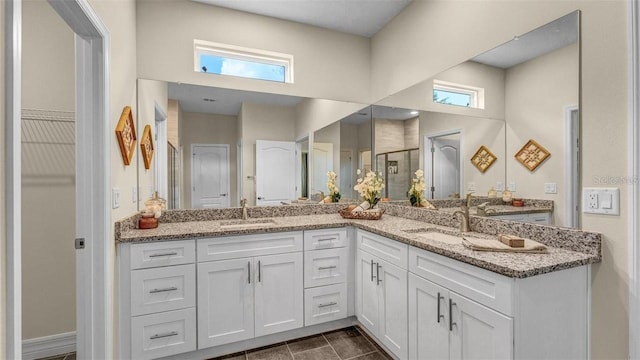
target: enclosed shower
<point>397,169</point>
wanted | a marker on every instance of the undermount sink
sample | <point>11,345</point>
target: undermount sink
<point>436,235</point>
<point>243,224</point>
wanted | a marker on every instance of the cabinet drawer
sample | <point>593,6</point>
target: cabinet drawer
<point>233,247</point>
<point>163,289</point>
<point>325,238</point>
<point>163,334</point>
<point>392,251</point>
<point>490,289</point>
<point>148,255</point>
<point>540,218</point>
<point>325,267</point>
<point>325,303</point>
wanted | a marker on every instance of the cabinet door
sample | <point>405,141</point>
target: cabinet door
<point>367,291</point>
<point>428,320</point>
<point>392,304</point>
<point>279,293</point>
<point>225,302</point>
<point>479,332</point>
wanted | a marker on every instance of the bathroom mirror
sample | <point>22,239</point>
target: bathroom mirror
<point>525,89</point>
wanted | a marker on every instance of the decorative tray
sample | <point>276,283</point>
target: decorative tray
<point>361,215</point>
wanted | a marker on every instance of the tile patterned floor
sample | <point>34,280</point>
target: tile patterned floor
<point>350,343</point>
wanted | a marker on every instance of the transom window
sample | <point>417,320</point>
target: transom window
<point>223,59</point>
<point>449,93</point>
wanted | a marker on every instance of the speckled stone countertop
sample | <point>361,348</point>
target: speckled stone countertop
<point>497,210</point>
<point>572,248</point>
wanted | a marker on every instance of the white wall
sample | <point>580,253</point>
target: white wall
<point>329,134</point>
<point>208,129</point>
<point>3,243</point>
<point>262,122</point>
<point>48,204</point>
<point>314,114</point>
<point>327,64</point>
<point>537,93</point>
<point>604,109</point>
<point>150,92</point>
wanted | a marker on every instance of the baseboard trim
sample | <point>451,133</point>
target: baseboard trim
<point>51,345</point>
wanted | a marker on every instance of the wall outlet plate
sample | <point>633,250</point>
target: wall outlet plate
<point>512,186</point>
<point>601,201</point>
<point>550,188</point>
<point>115,197</point>
<point>471,186</point>
<point>499,186</point>
<point>134,194</point>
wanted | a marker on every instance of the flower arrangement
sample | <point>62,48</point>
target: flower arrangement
<point>334,191</point>
<point>370,187</point>
<point>418,186</point>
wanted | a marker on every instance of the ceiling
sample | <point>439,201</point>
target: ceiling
<point>225,101</point>
<point>359,17</point>
<point>379,112</point>
<point>552,36</point>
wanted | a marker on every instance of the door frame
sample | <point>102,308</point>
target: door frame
<point>427,143</point>
<point>225,146</point>
<point>93,178</point>
<point>161,151</point>
<point>571,167</point>
<point>299,142</point>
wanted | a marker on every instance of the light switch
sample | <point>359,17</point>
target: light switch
<point>550,188</point>
<point>134,194</point>
<point>601,201</point>
<point>115,197</point>
<point>499,186</point>
<point>512,186</point>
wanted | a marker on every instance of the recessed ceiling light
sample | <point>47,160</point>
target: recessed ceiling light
<point>414,112</point>
<point>209,100</point>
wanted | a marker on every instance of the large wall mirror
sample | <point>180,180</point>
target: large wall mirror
<point>525,89</point>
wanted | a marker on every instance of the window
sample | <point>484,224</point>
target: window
<point>457,94</point>
<point>222,59</point>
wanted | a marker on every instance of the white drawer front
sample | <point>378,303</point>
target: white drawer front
<point>392,251</point>
<point>233,247</point>
<point>488,288</point>
<point>163,289</point>
<point>148,255</point>
<point>325,267</point>
<point>163,334</point>
<point>325,303</point>
<point>325,238</point>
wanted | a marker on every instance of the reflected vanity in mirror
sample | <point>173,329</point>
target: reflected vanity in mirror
<point>525,89</point>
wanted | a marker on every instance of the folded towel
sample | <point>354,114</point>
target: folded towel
<point>362,207</point>
<point>427,205</point>
<point>530,246</point>
<point>511,240</point>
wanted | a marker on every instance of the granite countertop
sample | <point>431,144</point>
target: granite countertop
<point>516,265</point>
<point>497,210</point>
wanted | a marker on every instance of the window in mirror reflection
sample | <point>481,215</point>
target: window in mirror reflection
<point>448,93</point>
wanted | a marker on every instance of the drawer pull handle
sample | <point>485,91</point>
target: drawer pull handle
<point>259,271</point>
<point>328,304</point>
<point>440,316</point>
<point>160,336</point>
<point>372,276</point>
<point>249,270</point>
<point>326,239</point>
<point>451,323</point>
<point>163,254</point>
<point>173,288</point>
<point>327,267</point>
<point>379,280</point>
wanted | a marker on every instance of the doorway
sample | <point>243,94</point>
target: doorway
<point>572,166</point>
<point>443,164</point>
<point>209,176</point>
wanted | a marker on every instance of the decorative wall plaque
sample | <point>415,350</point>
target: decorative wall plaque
<point>126,134</point>
<point>146,146</point>
<point>483,159</point>
<point>532,155</point>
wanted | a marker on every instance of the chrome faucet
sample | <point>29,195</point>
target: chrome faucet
<point>464,218</point>
<point>243,203</point>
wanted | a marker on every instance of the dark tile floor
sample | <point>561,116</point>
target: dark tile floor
<point>349,343</point>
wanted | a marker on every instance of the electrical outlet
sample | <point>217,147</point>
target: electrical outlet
<point>134,194</point>
<point>550,188</point>
<point>512,186</point>
<point>601,201</point>
<point>592,200</point>
<point>471,186</point>
<point>115,197</point>
<point>499,186</point>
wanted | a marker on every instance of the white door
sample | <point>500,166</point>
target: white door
<point>367,291</point>
<point>346,174</point>
<point>445,165</point>
<point>428,320</point>
<point>478,332</point>
<point>279,293</point>
<point>392,290</point>
<point>322,162</point>
<point>225,301</point>
<point>209,176</point>
<point>275,172</point>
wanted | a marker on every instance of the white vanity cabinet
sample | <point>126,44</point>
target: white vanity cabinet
<point>381,290</point>
<point>534,218</point>
<point>245,297</point>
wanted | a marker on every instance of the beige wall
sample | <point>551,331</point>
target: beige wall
<point>173,123</point>
<point>604,109</point>
<point>327,64</point>
<point>150,92</point>
<point>262,122</point>
<point>208,129</point>
<point>537,93</point>
<point>3,244</point>
<point>48,262</point>
<point>329,134</point>
<point>314,114</point>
